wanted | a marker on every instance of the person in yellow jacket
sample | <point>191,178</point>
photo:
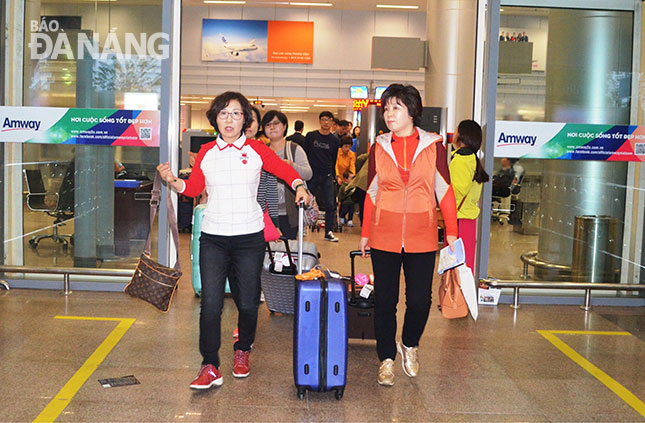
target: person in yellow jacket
<point>467,176</point>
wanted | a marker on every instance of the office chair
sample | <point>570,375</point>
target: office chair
<point>36,201</point>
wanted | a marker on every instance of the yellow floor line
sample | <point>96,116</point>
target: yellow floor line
<point>67,392</point>
<point>624,394</point>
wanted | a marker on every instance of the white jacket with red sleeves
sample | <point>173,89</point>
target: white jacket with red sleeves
<point>231,174</point>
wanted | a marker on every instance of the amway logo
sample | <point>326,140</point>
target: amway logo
<point>16,124</point>
<point>516,139</point>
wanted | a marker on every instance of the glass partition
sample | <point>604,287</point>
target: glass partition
<point>84,200</point>
<point>564,218</point>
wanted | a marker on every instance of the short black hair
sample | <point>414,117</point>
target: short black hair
<point>221,101</point>
<point>268,117</point>
<point>407,95</point>
<point>298,125</point>
<point>337,121</point>
<point>346,140</point>
<point>344,123</point>
<point>325,113</point>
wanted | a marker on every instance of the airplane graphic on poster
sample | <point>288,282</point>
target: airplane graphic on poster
<point>236,49</point>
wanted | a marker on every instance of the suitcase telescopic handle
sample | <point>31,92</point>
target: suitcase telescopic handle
<point>352,255</point>
<point>301,232</point>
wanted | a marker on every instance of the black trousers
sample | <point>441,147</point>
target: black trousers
<point>240,259</point>
<point>418,269</point>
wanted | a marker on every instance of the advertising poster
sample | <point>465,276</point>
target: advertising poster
<point>227,40</point>
<point>291,42</point>
<point>60,125</point>
<point>569,141</point>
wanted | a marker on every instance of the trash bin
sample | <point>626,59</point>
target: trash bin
<point>596,253</point>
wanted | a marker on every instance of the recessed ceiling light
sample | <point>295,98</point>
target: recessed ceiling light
<point>293,3</point>
<point>395,6</point>
<point>224,2</point>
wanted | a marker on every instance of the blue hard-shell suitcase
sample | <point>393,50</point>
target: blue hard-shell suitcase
<point>320,337</point>
<point>198,216</point>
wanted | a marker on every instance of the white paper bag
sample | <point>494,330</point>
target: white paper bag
<point>468,288</point>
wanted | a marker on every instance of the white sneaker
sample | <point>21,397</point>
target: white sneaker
<point>342,221</point>
<point>410,360</point>
<point>350,224</point>
<point>329,236</point>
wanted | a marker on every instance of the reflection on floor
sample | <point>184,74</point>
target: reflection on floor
<point>506,247</point>
<point>496,369</point>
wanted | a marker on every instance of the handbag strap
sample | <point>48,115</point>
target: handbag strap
<point>172,218</point>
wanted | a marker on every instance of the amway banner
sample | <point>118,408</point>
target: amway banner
<point>59,125</point>
<point>569,141</point>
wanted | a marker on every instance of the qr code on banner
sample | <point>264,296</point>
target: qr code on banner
<point>145,134</point>
<point>639,149</point>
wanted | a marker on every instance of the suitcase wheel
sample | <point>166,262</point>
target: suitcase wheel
<point>339,394</point>
<point>301,393</point>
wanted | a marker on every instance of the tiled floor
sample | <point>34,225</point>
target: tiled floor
<point>496,369</point>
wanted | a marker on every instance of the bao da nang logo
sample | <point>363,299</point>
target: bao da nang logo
<point>50,41</point>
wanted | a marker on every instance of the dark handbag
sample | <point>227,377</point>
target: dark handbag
<point>153,282</point>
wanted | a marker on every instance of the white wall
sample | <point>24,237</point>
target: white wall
<point>342,53</point>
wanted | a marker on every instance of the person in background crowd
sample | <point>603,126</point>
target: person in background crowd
<point>254,126</point>
<point>346,159</point>
<point>514,37</point>
<point>355,134</point>
<point>501,37</point>
<point>508,37</point>
<point>346,212</point>
<point>334,126</point>
<point>467,176</point>
<point>343,128</point>
<point>503,179</point>
<point>407,171</point>
<point>268,186</point>
<point>276,125</point>
<point>359,184</point>
<point>297,136</point>
<point>321,147</point>
<point>232,239</point>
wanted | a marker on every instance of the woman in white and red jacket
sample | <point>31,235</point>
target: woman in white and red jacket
<point>232,240</point>
<point>407,169</point>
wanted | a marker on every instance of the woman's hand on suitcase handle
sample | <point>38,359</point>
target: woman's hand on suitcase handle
<point>362,245</point>
<point>302,195</point>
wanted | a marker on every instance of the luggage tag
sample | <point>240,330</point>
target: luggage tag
<point>277,260</point>
<point>367,291</point>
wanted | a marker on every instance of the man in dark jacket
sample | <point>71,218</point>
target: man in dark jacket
<point>322,147</point>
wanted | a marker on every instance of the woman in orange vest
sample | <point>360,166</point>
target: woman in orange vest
<point>407,169</point>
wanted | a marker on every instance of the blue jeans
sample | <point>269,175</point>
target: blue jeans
<point>240,259</point>
<point>325,181</point>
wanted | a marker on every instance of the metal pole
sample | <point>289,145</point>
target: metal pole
<point>587,305</point>
<point>4,284</point>
<point>516,298</point>
<point>525,273</point>
<point>66,290</point>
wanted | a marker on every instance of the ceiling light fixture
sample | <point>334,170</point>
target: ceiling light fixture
<point>395,6</point>
<point>224,2</point>
<point>330,105</point>
<point>294,3</point>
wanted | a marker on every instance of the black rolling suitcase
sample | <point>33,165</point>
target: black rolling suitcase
<point>360,310</point>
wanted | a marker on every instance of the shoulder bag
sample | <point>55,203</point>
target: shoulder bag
<point>153,282</point>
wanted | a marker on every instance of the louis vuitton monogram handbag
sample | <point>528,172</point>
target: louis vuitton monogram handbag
<point>153,282</point>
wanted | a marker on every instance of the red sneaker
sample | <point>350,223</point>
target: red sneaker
<point>208,377</point>
<point>241,363</point>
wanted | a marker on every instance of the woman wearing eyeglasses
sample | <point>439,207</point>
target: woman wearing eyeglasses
<point>275,126</point>
<point>232,240</point>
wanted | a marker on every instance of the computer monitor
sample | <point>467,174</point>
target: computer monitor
<point>358,91</point>
<point>378,92</point>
